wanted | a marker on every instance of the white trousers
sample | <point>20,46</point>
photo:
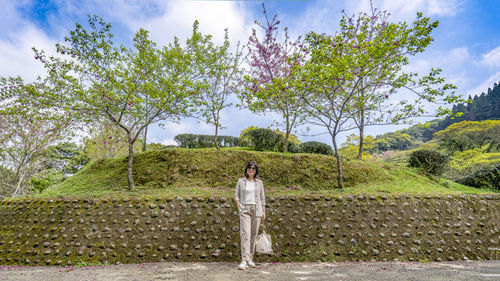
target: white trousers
<point>249,227</point>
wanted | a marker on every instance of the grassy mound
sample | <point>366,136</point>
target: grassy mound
<point>210,172</point>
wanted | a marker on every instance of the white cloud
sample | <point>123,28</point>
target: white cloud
<point>492,58</point>
<point>402,9</point>
<point>323,16</point>
<point>214,17</point>
<point>17,37</point>
<point>17,57</point>
<point>483,87</point>
<point>163,18</point>
<point>9,18</point>
<point>458,54</point>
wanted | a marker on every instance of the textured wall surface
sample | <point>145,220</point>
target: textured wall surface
<point>131,230</point>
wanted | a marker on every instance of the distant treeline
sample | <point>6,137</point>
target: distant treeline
<point>483,107</point>
<point>204,141</point>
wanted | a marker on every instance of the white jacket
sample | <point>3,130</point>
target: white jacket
<point>260,198</point>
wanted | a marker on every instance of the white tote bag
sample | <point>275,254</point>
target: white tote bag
<point>263,243</point>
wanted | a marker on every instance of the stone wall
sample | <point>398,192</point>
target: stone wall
<point>132,230</point>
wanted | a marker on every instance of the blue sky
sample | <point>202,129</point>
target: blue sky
<point>466,45</point>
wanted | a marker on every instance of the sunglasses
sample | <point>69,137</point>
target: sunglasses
<point>251,168</point>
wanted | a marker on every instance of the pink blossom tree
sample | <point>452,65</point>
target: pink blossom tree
<point>269,80</point>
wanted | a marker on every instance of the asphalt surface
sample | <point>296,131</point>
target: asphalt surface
<point>375,271</point>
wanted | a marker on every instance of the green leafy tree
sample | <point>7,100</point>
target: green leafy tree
<point>30,121</point>
<point>381,49</point>
<point>326,87</point>
<point>106,140</point>
<point>216,68</point>
<point>394,141</point>
<point>57,163</point>
<point>470,134</point>
<point>349,149</point>
<point>130,88</point>
<point>7,180</point>
<point>66,157</point>
<point>245,138</point>
<point>265,139</point>
<point>294,142</point>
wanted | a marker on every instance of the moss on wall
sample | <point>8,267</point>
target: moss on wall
<point>132,230</point>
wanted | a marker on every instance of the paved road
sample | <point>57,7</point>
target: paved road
<point>462,270</point>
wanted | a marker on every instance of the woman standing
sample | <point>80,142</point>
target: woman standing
<point>250,200</point>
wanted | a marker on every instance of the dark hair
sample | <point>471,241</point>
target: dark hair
<point>250,164</point>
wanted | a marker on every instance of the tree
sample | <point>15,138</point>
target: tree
<point>349,149</point>
<point>327,89</point>
<point>245,139</point>
<point>130,88</point>
<point>217,69</point>
<point>265,139</point>
<point>30,121</point>
<point>106,140</point>
<point>400,142</point>
<point>66,158</point>
<point>469,135</point>
<point>381,50</point>
<point>7,180</point>
<point>57,163</point>
<point>269,80</point>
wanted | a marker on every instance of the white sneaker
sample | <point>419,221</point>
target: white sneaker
<point>251,264</point>
<point>243,265</point>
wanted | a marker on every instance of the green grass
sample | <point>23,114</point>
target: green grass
<point>210,172</point>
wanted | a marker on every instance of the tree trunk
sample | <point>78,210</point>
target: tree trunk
<point>287,134</point>
<point>285,147</point>
<point>19,187</point>
<point>339,165</point>
<point>145,137</point>
<point>361,135</point>
<point>130,164</point>
<point>215,139</point>
<point>361,123</point>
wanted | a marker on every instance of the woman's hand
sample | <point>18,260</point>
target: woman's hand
<point>263,212</point>
<point>240,207</point>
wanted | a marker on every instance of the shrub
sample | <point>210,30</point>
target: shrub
<point>244,139</point>
<point>488,176</point>
<point>316,147</point>
<point>39,185</point>
<point>266,139</point>
<point>294,147</point>
<point>429,161</point>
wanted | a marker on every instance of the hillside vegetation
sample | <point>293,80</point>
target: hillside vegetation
<point>211,172</point>
<point>479,108</point>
